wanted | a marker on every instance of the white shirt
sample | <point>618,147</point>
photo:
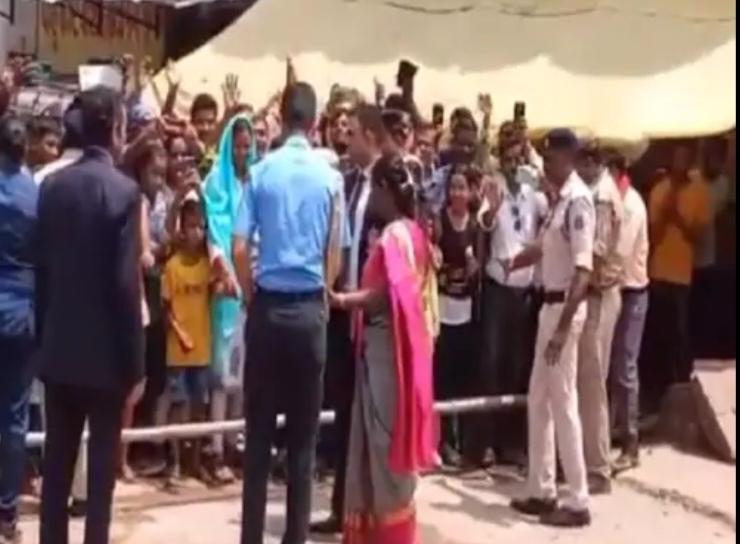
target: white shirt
<point>568,235</point>
<point>634,244</point>
<point>455,311</point>
<point>515,227</point>
<point>69,156</point>
<point>353,276</point>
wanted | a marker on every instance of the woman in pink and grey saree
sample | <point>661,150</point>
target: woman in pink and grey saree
<point>393,427</point>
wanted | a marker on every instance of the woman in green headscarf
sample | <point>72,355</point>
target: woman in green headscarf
<point>222,194</point>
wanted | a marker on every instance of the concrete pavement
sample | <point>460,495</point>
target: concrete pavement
<point>465,509</point>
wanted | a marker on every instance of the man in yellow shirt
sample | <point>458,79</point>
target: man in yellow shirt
<point>679,212</point>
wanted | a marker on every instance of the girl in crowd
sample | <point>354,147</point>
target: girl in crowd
<point>392,436</point>
<point>148,170</point>
<point>458,239</point>
<point>222,194</point>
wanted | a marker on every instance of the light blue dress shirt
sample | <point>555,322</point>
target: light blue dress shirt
<point>288,202</point>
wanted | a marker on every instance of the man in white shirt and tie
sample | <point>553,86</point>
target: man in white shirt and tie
<point>511,214</point>
<point>366,135</point>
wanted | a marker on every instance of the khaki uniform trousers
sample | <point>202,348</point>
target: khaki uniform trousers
<point>553,414</point>
<point>594,355</point>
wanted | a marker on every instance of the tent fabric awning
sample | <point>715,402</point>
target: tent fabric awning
<point>626,69</point>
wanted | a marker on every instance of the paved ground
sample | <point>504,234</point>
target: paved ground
<point>674,497</point>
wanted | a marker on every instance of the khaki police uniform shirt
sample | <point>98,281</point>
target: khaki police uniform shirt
<point>609,208</point>
<point>568,235</point>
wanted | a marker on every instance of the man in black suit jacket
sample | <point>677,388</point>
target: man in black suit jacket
<point>366,137</point>
<point>90,315</point>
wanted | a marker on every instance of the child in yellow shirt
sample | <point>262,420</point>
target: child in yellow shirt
<point>186,290</point>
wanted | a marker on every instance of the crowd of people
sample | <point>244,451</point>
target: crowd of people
<point>242,262</point>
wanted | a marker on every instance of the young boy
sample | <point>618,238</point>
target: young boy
<point>186,290</point>
<point>44,139</point>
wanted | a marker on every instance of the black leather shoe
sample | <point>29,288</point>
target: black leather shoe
<point>330,526</point>
<point>599,485</point>
<point>534,507</point>
<point>78,508</point>
<point>566,517</point>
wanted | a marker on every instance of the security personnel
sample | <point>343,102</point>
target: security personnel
<point>604,303</point>
<point>566,250</point>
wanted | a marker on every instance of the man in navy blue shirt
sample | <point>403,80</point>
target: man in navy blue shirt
<point>18,196</point>
<point>294,202</point>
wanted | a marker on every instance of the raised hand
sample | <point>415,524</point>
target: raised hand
<point>232,93</point>
<point>493,195</point>
<point>173,76</point>
<point>485,104</point>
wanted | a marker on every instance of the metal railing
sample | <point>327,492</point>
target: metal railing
<point>194,430</point>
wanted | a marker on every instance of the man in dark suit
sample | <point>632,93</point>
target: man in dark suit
<point>366,137</point>
<point>90,315</point>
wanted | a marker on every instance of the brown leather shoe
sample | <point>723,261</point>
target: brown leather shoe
<point>599,485</point>
<point>566,517</point>
<point>533,506</point>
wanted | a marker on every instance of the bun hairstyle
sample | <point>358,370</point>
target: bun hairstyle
<point>390,173</point>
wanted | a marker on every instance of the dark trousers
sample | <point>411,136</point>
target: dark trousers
<point>286,343</point>
<point>340,384</point>
<point>15,388</point>
<point>713,314</point>
<point>665,357</point>
<point>455,359</point>
<point>67,408</point>
<point>504,365</point>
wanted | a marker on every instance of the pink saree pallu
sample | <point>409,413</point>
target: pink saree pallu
<point>393,427</point>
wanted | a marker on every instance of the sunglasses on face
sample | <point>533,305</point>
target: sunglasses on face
<point>517,217</point>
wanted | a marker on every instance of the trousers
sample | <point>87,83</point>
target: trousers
<point>623,377</point>
<point>340,383</point>
<point>67,407</point>
<point>15,391</point>
<point>594,354</point>
<point>666,356</point>
<point>504,364</point>
<point>286,343</point>
<point>553,414</point>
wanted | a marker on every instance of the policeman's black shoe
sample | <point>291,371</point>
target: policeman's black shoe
<point>534,507</point>
<point>330,526</point>
<point>566,517</point>
<point>599,485</point>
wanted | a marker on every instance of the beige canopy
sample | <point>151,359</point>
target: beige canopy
<point>624,69</point>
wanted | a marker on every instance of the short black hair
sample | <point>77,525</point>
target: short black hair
<point>370,118</point>
<point>298,108</point>
<point>614,159</point>
<point>191,207</point>
<point>201,102</point>
<point>72,122</point>
<point>12,139</point>
<point>589,149</point>
<point>395,101</point>
<point>39,127</point>
<point>100,107</point>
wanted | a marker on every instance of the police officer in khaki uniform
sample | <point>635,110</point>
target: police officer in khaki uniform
<point>604,303</point>
<point>566,250</point>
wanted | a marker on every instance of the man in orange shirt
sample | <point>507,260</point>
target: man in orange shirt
<point>678,212</point>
